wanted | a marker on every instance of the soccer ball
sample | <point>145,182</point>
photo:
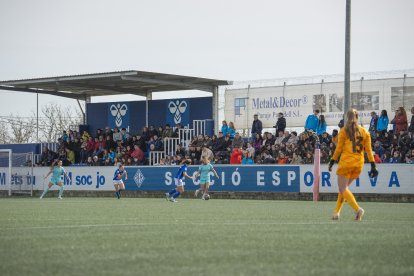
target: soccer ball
<point>206,197</point>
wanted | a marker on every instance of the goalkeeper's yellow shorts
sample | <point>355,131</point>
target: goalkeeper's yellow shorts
<point>349,172</point>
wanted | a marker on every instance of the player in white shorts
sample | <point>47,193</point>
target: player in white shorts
<point>178,179</point>
<point>118,183</point>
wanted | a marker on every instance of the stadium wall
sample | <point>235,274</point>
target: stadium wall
<point>298,101</point>
<point>393,179</point>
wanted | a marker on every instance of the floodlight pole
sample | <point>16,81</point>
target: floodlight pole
<point>347,92</point>
<point>37,117</point>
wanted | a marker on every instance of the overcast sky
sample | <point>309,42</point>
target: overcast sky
<point>232,40</point>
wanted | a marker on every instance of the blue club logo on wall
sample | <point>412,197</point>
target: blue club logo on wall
<point>119,111</point>
<point>178,112</point>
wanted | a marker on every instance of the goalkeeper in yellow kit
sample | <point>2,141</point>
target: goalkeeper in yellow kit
<point>352,141</point>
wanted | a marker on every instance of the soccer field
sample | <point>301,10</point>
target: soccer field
<point>134,236</point>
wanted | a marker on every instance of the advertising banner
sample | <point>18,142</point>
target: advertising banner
<point>392,179</point>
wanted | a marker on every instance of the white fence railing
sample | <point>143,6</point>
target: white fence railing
<point>155,157</point>
<point>170,145</point>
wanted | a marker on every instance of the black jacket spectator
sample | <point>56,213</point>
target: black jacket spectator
<point>280,124</point>
<point>257,126</point>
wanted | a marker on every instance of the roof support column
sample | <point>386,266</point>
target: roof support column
<point>216,108</point>
<point>87,101</point>
<point>149,98</point>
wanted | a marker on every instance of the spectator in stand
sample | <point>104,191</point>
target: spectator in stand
<point>396,157</point>
<point>159,145</point>
<point>257,126</point>
<point>109,143</point>
<point>153,131</point>
<point>125,134</point>
<point>280,124</point>
<point>108,132</point>
<point>267,158</point>
<point>312,121</point>
<point>325,138</point>
<point>321,127</point>
<point>85,136</point>
<point>280,138</point>
<point>96,161</point>
<point>231,130</point>
<point>400,120</point>
<point>145,134</point>
<point>90,146</point>
<point>308,158</point>
<point>227,143</point>
<point>206,153</point>
<point>116,136</point>
<point>409,158</point>
<point>219,144</point>
<point>373,125</point>
<point>286,137</point>
<point>138,155</point>
<point>257,144</point>
<point>282,159</point>
<point>89,161</point>
<point>176,132</point>
<point>382,123</point>
<point>237,141</point>
<point>293,139</point>
<point>105,158</point>
<point>411,127</point>
<point>236,156</point>
<point>296,159</point>
<point>167,132</point>
<point>378,149</point>
<point>224,128</point>
<point>247,158</point>
<point>269,139</point>
<point>70,156</point>
<point>386,158</point>
<point>99,146</point>
<point>334,138</point>
<point>179,150</point>
<point>251,150</point>
<point>76,147</point>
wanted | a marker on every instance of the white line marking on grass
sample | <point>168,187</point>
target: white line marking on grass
<point>197,224</point>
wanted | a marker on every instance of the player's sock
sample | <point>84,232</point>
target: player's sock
<point>339,203</point>
<point>117,194</point>
<point>60,191</point>
<point>45,191</point>
<point>177,194</point>
<point>173,191</point>
<point>347,194</point>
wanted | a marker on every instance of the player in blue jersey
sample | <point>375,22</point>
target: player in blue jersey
<point>118,183</point>
<point>179,176</point>
<point>204,172</point>
<point>56,179</point>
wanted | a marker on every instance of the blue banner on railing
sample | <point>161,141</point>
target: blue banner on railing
<point>231,178</point>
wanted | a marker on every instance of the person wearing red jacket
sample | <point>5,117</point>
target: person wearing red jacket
<point>236,156</point>
<point>400,120</point>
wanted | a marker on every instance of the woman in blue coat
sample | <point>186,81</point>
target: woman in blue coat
<point>382,123</point>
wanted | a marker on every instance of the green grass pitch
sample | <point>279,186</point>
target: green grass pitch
<point>134,236</point>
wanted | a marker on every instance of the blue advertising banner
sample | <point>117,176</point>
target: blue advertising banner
<point>232,178</point>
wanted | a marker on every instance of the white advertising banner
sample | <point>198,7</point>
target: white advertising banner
<point>392,179</point>
<point>296,102</point>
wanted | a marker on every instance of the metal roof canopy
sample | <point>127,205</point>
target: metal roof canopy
<point>81,87</point>
<point>141,83</point>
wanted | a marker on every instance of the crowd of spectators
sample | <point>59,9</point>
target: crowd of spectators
<point>108,147</point>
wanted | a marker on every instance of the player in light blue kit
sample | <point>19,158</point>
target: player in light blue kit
<point>118,183</point>
<point>179,176</point>
<point>204,172</point>
<point>56,179</point>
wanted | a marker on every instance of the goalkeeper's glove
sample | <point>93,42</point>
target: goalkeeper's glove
<point>373,172</point>
<point>331,163</point>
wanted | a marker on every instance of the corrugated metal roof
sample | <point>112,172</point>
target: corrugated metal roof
<point>111,83</point>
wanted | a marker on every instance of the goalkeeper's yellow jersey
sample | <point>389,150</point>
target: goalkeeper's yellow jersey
<point>352,153</point>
